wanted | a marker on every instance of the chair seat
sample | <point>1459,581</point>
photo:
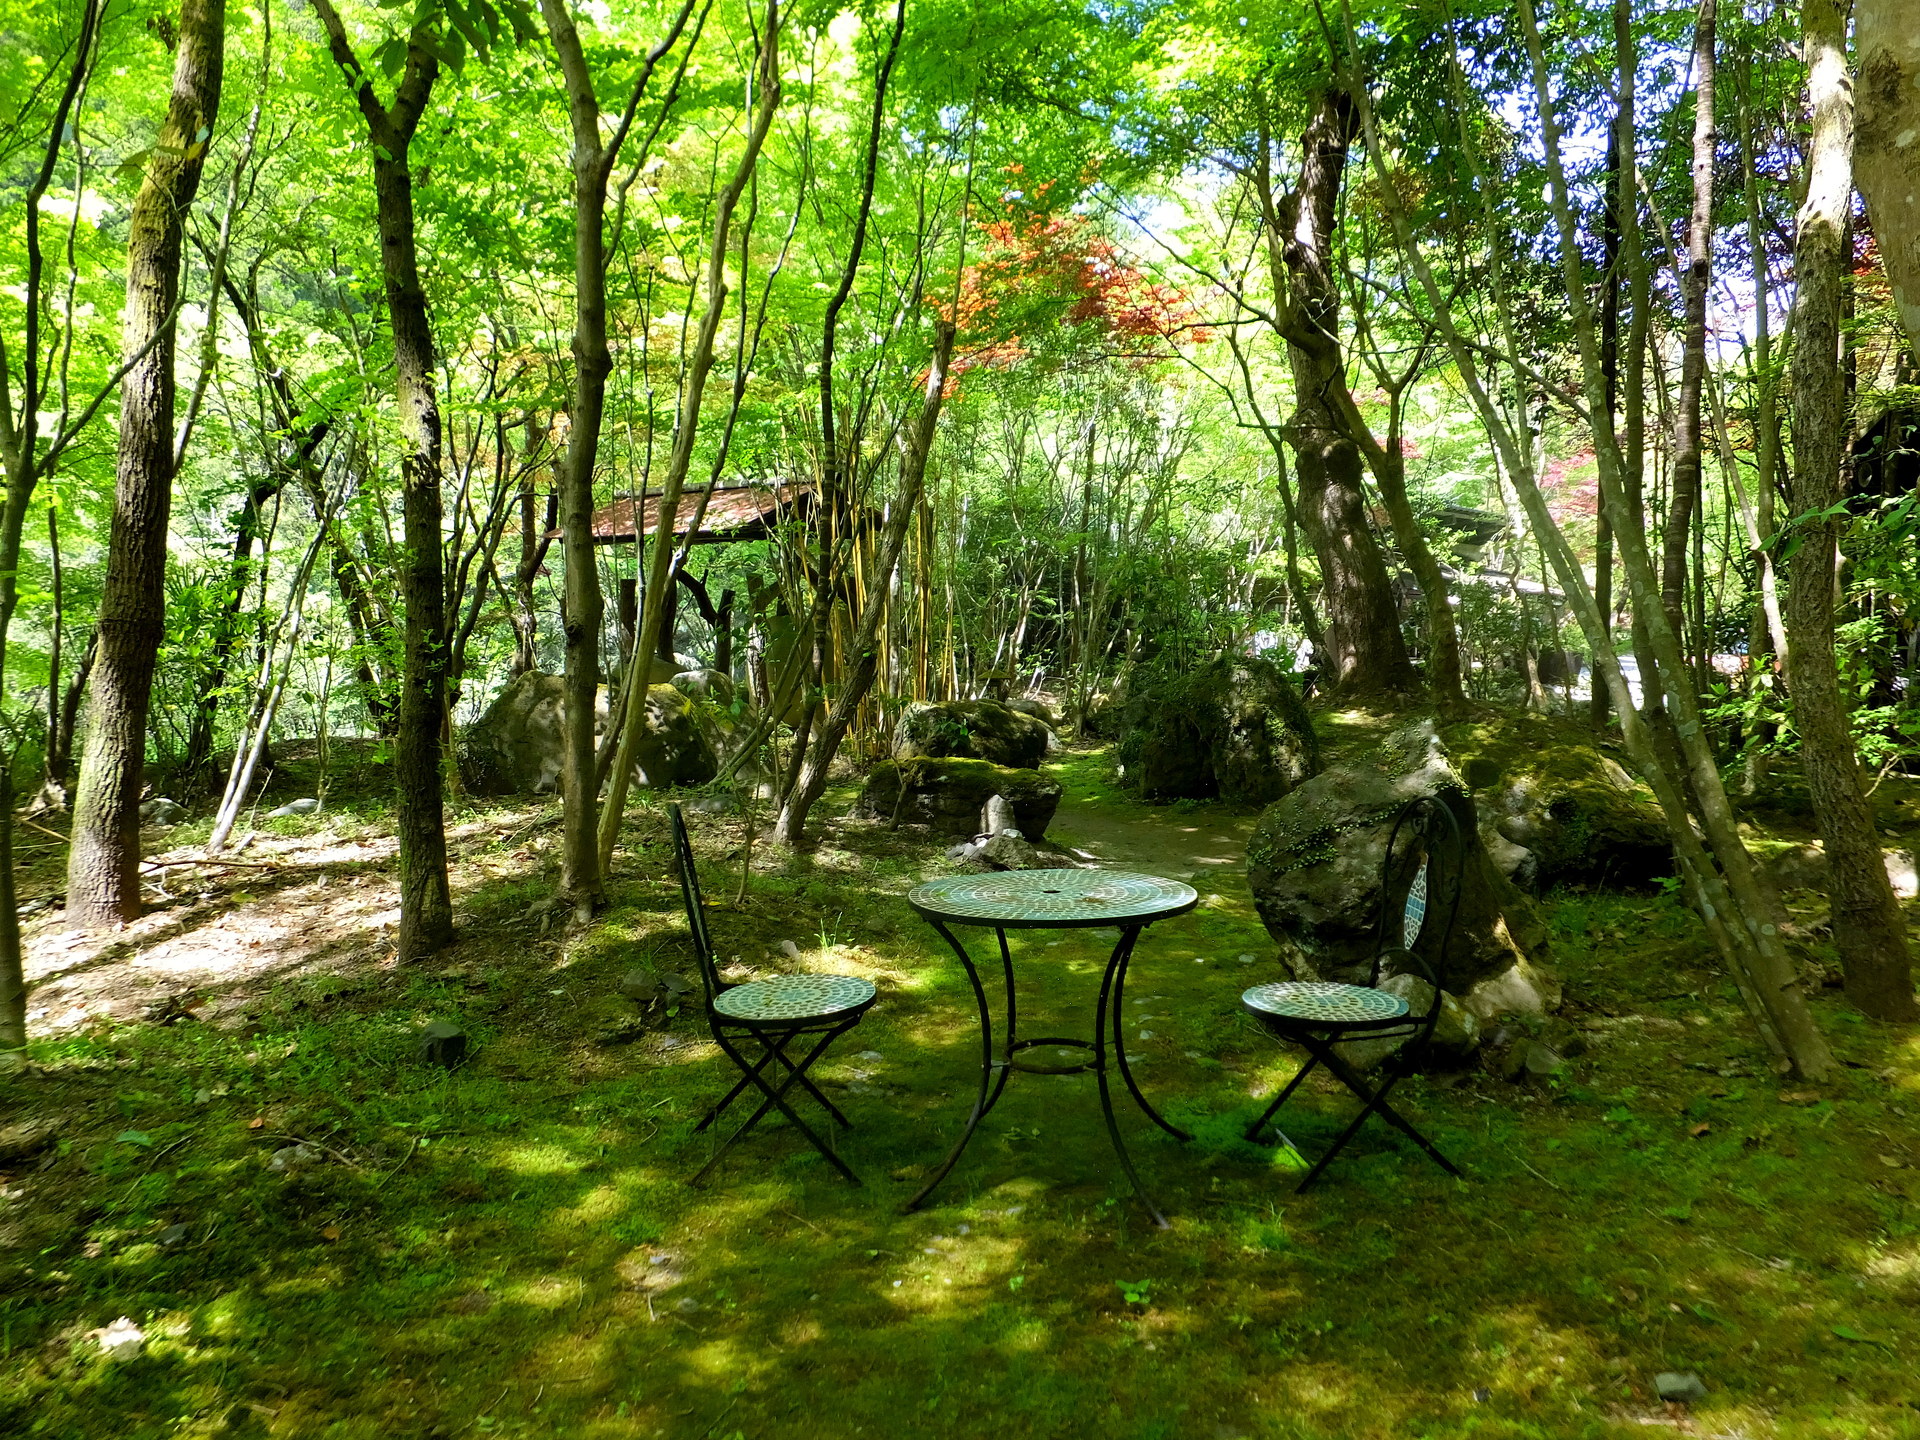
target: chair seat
<point>1324,1002</point>
<point>787,999</point>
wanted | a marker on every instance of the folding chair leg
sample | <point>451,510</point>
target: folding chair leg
<point>799,1073</point>
<point>1375,1101</point>
<point>777,1099</point>
<point>796,1074</point>
<point>1252,1135</point>
<point>720,1105</point>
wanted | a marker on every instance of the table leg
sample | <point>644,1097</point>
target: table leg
<point>1119,1040</point>
<point>989,1090</point>
<point>1116,967</point>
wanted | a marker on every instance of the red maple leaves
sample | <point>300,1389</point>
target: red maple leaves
<point>1052,290</point>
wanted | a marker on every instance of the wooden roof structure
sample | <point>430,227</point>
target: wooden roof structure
<point>746,511</point>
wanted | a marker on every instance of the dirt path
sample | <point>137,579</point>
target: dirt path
<point>1158,840</point>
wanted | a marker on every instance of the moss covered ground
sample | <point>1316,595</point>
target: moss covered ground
<point>511,1248</point>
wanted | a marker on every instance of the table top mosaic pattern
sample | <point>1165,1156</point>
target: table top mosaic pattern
<point>1050,899</point>
<point>1324,1000</point>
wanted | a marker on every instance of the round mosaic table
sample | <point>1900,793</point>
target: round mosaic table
<point>1052,900</point>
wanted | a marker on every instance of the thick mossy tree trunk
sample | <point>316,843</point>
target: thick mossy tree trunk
<point>103,865</point>
<point>1887,144</point>
<point>426,906</point>
<point>1365,651</point>
<point>1868,928</point>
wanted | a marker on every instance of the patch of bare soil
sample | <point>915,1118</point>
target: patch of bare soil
<point>220,932</point>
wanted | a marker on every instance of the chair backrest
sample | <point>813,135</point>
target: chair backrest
<point>690,898</point>
<point>1431,901</point>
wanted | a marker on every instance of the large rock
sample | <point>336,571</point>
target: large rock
<point>949,794</point>
<point>972,730</point>
<point>674,749</point>
<point>516,747</point>
<point>1314,868</point>
<point>1543,787</point>
<point>1232,728</point>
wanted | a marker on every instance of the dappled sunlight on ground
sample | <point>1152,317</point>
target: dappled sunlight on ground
<point>512,1249</point>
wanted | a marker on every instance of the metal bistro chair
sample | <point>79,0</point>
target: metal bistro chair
<point>1319,1015</point>
<point>773,1014</point>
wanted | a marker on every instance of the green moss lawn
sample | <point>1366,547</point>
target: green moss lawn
<point>512,1249</point>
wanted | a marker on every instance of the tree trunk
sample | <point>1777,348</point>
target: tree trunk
<point>103,865</point>
<point>699,366</point>
<point>1868,928</point>
<point>26,460</point>
<point>426,906</point>
<point>1684,502</point>
<point>206,700</point>
<point>864,658</point>
<point>533,550</point>
<point>1365,651</point>
<point>1887,145</point>
<point>1620,193</point>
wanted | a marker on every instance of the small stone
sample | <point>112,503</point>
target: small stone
<point>25,1138</point>
<point>1246,959</point>
<point>173,1235</point>
<point>678,988</point>
<point>1679,1387</point>
<point>1146,1034</point>
<point>643,987</point>
<point>161,811</point>
<point>443,1043</point>
<point>1542,1061</point>
<point>869,1055</point>
<point>294,1157</point>
<point>686,1304</point>
<point>122,1340</point>
<point>307,806</point>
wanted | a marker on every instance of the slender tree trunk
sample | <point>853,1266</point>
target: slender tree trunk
<point>1868,927</point>
<point>26,459</point>
<point>811,781</point>
<point>766,100</point>
<point>1620,194</point>
<point>426,905</point>
<point>533,550</point>
<point>103,864</point>
<point>206,701</point>
<point>1684,501</point>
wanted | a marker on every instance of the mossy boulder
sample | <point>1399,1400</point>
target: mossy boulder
<point>1314,867</point>
<point>1545,786</point>
<point>972,730</point>
<point>948,793</point>
<point>515,747</point>
<point>675,748</point>
<point>1233,729</point>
